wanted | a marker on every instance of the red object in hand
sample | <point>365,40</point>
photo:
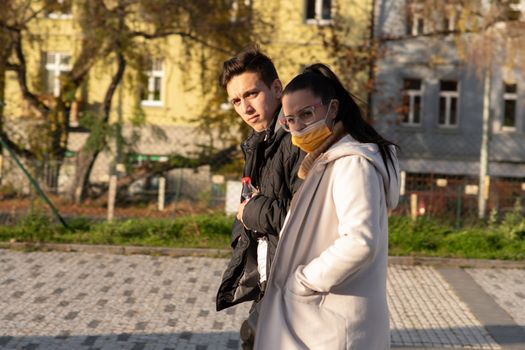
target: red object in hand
<point>247,188</point>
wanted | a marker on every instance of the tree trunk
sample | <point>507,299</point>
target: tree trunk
<point>58,145</point>
<point>86,157</point>
<point>80,185</point>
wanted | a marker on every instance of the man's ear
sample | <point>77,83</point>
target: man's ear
<point>277,88</point>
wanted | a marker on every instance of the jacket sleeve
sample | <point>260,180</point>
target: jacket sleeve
<point>266,215</point>
<point>236,232</point>
<point>356,192</point>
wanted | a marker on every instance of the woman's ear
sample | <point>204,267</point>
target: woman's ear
<point>334,109</point>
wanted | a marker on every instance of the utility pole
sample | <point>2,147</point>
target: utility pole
<point>484,180</point>
<point>2,104</point>
<point>371,61</point>
<point>116,167</point>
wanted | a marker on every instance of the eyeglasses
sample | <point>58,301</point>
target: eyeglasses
<point>305,115</point>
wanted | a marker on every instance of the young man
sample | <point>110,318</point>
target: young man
<point>272,162</point>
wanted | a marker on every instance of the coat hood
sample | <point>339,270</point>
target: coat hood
<point>348,146</point>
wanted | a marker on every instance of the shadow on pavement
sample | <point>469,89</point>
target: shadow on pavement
<point>468,337</point>
<point>457,337</point>
<point>132,341</point>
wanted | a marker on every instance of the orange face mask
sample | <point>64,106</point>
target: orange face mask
<point>313,136</point>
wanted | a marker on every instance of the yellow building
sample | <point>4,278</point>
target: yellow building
<point>171,95</point>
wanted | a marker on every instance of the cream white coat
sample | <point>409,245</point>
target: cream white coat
<point>327,287</point>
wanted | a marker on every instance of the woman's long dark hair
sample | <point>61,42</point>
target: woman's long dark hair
<point>323,83</point>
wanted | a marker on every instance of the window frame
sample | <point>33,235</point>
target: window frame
<point>151,75</point>
<point>412,94</point>
<point>413,15</point>
<point>318,12</point>
<point>57,69</point>
<point>61,15</point>
<point>449,95</point>
<point>509,96</point>
<point>450,16</point>
<point>234,9</point>
<point>449,19</point>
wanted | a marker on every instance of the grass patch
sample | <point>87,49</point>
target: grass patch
<point>498,239</point>
<point>430,237</point>
<point>199,231</point>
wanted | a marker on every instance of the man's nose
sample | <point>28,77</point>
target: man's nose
<point>247,107</point>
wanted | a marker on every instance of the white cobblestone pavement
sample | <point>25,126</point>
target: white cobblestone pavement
<point>506,287</point>
<point>56,300</point>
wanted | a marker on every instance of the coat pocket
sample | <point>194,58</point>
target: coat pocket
<point>313,326</point>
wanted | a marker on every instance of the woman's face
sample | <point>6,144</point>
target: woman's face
<point>302,108</point>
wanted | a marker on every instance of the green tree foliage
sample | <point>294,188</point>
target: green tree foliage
<point>118,34</point>
<point>350,43</point>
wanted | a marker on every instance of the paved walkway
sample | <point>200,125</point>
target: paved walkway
<point>55,300</point>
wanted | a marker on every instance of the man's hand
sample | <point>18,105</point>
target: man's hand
<point>240,211</point>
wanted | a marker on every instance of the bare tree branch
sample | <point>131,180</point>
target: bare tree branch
<point>22,78</point>
<point>163,34</point>
<point>15,147</point>
<point>115,81</point>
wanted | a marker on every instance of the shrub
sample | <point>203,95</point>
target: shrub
<point>513,223</point>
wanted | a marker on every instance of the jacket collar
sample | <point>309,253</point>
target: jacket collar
<point>255,138</point>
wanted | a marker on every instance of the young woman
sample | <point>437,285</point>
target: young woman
<point>327,288</point>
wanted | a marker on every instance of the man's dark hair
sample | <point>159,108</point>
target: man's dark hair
<point>249,60</point>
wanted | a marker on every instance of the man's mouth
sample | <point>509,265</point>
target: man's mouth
<point>253,118</point>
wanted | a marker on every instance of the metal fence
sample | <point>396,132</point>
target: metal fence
<point>456,197</point>
<point>212,184</point>
<point>177,171</point>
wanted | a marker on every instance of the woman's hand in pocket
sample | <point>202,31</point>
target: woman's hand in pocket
<point>296,286</point>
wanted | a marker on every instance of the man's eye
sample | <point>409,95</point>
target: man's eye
<point>253,94</point>
<point>236,102</point>
<point>290,120</point>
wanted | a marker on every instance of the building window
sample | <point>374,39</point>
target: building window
<point>151,92</point>
<point>449,23</point>
<point>450,15</point>
<point>416,25</point>
<point>412,102</point>
<point>318,11</point>
<point>419,26</point>
<point>240,9</point>
<point>61,10</point>
<point>56,64</point>
<point>509,106</point>
<point>448,103</point>
<point>415,21</point>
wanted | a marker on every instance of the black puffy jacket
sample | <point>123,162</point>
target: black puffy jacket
<point>272,163</point>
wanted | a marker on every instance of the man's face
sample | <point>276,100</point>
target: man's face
<point>255,102</point>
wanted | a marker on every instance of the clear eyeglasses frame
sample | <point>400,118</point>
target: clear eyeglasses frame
<point>306,116</point>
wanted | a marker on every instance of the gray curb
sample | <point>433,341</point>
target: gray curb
<point>417,348</point>
<point>222,253</point>
<point>114,249</point>
<point>455,262</point>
